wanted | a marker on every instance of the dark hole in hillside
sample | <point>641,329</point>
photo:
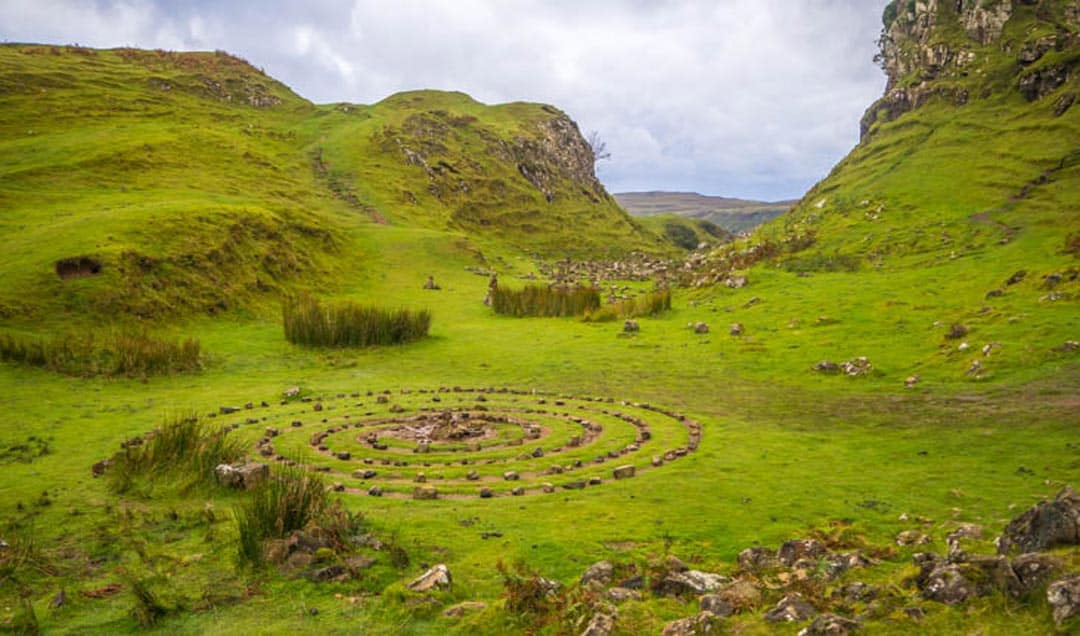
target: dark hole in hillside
<point>77,267</point>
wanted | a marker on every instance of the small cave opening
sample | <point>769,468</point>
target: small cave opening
<point>77,267</point>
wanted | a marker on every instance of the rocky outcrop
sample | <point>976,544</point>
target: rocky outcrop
<point>1044,526</point>
<point>1064,598</point>
<point>920,47</point>
<point>983,21</point>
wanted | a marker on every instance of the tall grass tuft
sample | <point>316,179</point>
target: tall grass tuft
<point>288,501</point>
<point>183,448</point>
<point>650,304</point>
<point>114,354</point>
<point>544,301</point>
<point>148,608</point>
<point>348,324</point>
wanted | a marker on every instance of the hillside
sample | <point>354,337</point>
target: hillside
<point>687,233</point>
<point>960,205</point>
<point>734,215</point>
<point>148,183</point>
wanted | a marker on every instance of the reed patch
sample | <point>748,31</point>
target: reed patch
<point>650,304</point>
<point>309,322</point>
<point>113,354</point>
<point>183,450</point>
<point>544,301</point>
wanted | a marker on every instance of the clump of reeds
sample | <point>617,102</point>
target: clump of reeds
<point>349,324</point>
<point>183,449</point>
<point>288,501</point>
<point>649,304</point>
<point>114,354</point>
<point>544,301</point>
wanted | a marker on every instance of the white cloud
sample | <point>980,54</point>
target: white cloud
<point>736,97</point>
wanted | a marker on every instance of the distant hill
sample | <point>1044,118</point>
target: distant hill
<point>734,215</point>
<point>151,183</point>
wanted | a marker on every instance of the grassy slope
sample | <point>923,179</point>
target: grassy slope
<point>783,450</point>
<point>194,199</point>
<point>190,201</point>
<point>685,232</point>
<point>469,181</point>
<point>734,215</point>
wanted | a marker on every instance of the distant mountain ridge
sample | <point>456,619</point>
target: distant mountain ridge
<point>732,214</point>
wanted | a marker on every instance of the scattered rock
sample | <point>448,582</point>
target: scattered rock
<point>798,549</point>
<point>330,573</point>
<point>858,592</point>
<point>291,392</point>
<point>99,468</point>
<point>911,381</point>
<point>957,331</point>
<point>242,476</point>
<point>630,326</point>
<point>1016,278</point>
<point>949,583</point>
<point>701,328</point>
<point>622,594</point>
<point>1045,525</point>
<point>827,366</point>
<point>601,624</point>
<point>690,582</point>
<point>1068,346</point>
<point>1064,597</point>
<point>600,572</point>
<point>830,625</point>
<point>1033,570</point>
<point>757,559</point>
<point>743,595</point>
<point>716,604</point>
<point>736,282</point>
<point>486,493</point>
<point>857,366</point>
<point>737,329</point>
<point>624,472</point>
<point>511,476</point>
<point>912,537</point>
<point>375,491</point>
<point>437,578</point>
<point>791,609</point>
<point>425,493</point>
<point>703,623</point>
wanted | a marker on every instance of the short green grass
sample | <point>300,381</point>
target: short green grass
<point>784,450</point>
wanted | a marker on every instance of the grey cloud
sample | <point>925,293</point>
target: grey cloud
<point>754,98</point>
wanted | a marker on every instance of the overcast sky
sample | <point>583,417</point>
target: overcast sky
<point>750,98</point>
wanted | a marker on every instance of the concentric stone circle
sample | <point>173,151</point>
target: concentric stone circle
<point>453,443</point>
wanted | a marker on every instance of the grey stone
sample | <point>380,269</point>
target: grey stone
<point>436,578</point>
<point>702,623</point>
<point>1045,525</point>
<point>1064,597</point>
<point>791,609</point>
<point>600,572</point>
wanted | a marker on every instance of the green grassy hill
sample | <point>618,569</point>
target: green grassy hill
<point>687,233</point>
<point>963,178</point>
<point>734,215</point>
<point>165,183</point>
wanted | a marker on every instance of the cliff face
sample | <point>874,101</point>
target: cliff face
<point>963,49</point>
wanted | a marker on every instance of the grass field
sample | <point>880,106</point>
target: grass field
<point>203,213</point>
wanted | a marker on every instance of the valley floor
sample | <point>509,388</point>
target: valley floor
<point>783,451</point>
